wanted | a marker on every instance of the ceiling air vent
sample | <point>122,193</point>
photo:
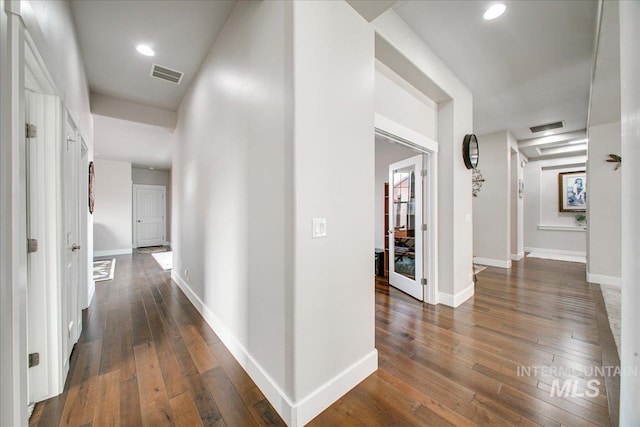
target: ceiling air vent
<point>167,74</point>
<point>548,126</point>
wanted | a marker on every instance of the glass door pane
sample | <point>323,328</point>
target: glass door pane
<point>404,222</point>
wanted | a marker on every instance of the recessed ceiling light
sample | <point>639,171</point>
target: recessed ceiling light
<point>151,168</point>
<point>145,50</point>
<point>494,11</point>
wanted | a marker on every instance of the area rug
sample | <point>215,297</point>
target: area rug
<point>613,302</point>
<point>153,249</point>
<point>568,258</point>
<point>103,269</point>
<point>165,259</point>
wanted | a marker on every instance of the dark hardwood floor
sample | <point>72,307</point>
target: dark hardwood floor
<point>444,367</point>
<point>146,357</point>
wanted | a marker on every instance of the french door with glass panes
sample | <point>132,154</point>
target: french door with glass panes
<point>405,226</point>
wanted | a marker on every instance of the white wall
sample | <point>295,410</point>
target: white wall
<point>455,119</point>
<point>51,26</point>
<point>492,206</point>
<point>386,153</point>
<point>399,101</point>
<point>541,208</point>
<point>603,212</point>
<point>232,179</point>
<point>630,97</point>
<point>243,202</point>
<point>155,177</point>
<point>112,216</point>
<point>334,135</point>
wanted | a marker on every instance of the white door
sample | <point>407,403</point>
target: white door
<point>149,215</point>
<point>43,324</point>
<point>71,208</point>
<point>406,226</point>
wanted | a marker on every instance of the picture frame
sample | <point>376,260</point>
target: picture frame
<point>92,195</point>
<point>572,191</point>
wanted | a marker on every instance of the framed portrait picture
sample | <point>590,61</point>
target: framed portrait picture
<point>572,191</point>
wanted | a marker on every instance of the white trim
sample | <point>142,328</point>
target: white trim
<point>601,279</point>
<point>492,262</point>
<point>561,227</point>
<point>459,298</point>
<point>293,414</point>
<point>517,257</point>
<point>110,252</point>
<point>398,133</point>
<point>554,251</point>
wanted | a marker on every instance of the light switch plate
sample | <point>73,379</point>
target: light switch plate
<point>319,228</point>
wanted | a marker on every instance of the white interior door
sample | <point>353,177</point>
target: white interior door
<point>406,226</point>
<point>43,315</point>
<point>71,208</point>
<point>149,215</point>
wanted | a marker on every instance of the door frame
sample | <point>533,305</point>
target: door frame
<point>397,133</point>
<point>50,213</point>
<point>137,187</point>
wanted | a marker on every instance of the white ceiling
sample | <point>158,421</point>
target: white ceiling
<point>180,32</point>
<point>529,67</point>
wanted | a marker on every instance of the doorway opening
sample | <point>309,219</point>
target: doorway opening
<point>405,210</point>
<point>516,196</point>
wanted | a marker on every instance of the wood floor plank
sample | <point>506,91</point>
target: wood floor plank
<point>80,403</point>
<point>200,352</point>
<point>233,409</point>
<point>130,415</point>
<point>184,410</point>
<point>154,403</point>
<point>107,411</point>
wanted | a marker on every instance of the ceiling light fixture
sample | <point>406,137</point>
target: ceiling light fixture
<point>494,11</point>
<point>151,168</point>
<point>145,50</point>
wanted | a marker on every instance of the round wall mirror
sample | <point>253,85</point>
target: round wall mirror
<point>470,151</point>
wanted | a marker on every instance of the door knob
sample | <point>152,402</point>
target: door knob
<point>75,247</point>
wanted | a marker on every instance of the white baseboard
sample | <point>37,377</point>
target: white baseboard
<point>555,251</point>
<point>517,257</point>
<point>293,413</point>
<point>601,279</point>
<point>457,299</point>
<point>110,252</point>
<point>492,262</point>
<point>319,400</point>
